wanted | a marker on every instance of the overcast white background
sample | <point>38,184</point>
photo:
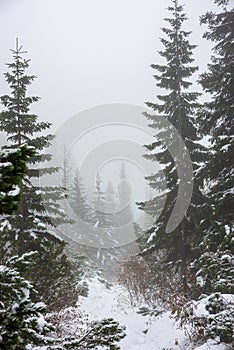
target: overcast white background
<point>91,52</point>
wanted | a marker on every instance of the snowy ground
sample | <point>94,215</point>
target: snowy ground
<point>143,332</point>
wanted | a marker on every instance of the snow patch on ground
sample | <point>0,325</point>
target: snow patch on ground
<point>143,332</point>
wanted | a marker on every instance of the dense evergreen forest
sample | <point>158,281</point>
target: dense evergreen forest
<point>44,273</point>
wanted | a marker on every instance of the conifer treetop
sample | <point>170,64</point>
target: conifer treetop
<point>16,119</point>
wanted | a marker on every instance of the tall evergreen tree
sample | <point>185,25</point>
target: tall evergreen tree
<point>110,197</point>
<point>83,215</point>
<point>77,199</point>
<point>125,215</point>
<point>101,217</point>
<point>22,127</point>
<point>20,318</point>
<point>179,107</point>
<point>216,118</point>
<point>29,225</point>
<point>22,321</point>
<point>67,170</point>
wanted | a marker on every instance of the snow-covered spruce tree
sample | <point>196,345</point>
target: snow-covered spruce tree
<point>77,200</point>
<point>110,197</point>
<point>125,216</point>
<point>13,167</point>
<point>216,261</point>
<point>100,216</point>
<point>179,107</point>
<point>110,194</point>
<point>105,333</point>
<point>215,264</point>
<point>103,229</point>
<point>22,127</point>
<point>73,330</point>
<point>67,170</point>
<point>21,320</point>
<point>29,225</point>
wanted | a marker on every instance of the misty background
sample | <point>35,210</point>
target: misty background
<point>89,53</point>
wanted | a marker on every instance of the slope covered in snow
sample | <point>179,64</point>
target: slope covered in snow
<point>143,332</point>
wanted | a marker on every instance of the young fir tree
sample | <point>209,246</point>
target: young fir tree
<point>110,197</point>
<point>124,216</point>
<point>82,214</point>
<point>103,227</point>
<point>29,225</point>
<point>77,200</point>
<point>67,170</point>
<point>100,216</point>
<point>215,263</point>
<point>22,127</point>
<point>178,106</point>
<point>66,173</point>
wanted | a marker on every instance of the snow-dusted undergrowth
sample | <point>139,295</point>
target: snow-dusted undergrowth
<point>143,332</point>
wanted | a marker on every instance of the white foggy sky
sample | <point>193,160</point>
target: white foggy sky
<point>94,52</point>
<point>87,53</point>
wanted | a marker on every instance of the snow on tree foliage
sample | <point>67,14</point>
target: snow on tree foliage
<point>100,214</point>
<point>12,167</point>
<point>22,127</point>
<point>215,261</point>
<point>111,198</point>
<point>201,247</point>
<point>216,120</point>
<point>73,330</point>
<point>211,316</point>
<point>125,215</point>
<point>179,106</point>
<point>22,321</point>
<point>77,200</point>
<point>30,223</point>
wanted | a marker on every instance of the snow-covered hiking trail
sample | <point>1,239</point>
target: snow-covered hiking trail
<point>143,332</point>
